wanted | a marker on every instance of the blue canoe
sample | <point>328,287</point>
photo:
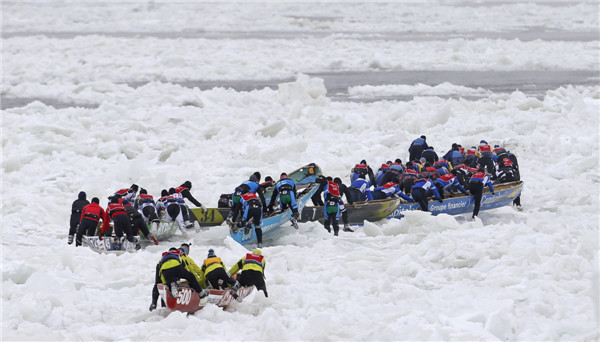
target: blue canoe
<point>504,195</point>
<point>306,187</point>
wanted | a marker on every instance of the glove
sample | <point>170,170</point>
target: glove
<point>204,293</point>
<point>440,200</point>
<point>203,207</point>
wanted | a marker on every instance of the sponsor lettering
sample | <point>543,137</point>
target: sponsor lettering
<point>489,198</point>
<point>185,296</point>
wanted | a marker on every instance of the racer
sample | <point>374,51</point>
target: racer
<point>76,209</point>
<point>168,271</point>
<point>91,214</point>
<point>215,273</point>
<point>252,266</point>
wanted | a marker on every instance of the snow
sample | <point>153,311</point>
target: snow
<point>507,275</point>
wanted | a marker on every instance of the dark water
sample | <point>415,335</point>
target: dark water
<point>531,82</point>
<point>522,35</point>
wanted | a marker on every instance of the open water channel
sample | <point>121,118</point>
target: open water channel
<point>531,82</point>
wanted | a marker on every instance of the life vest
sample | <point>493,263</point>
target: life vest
<point>92,211</point>
<point>499,150</point>
<point>170,199</point>
<point>212,264</point>
<point>472,152</point>
<point>447,177</point>
<point>145,198</point>
<point>389,185</point>
<point>361,169</point>
<point>253,262</point>
<point>266,184</point>
<point>251,200</point>
<point>486,150</point>
<point>334,188</point>
<point>410,174</point>
<point>115,209</point>
<point>478,177</point>
<point>383,167</point>
<point>179,189</point>
<point>122,192</point>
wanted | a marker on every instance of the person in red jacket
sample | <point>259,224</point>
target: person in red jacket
<point>90,215</point>
<point>118,215</point>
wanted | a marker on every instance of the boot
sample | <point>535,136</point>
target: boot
<point>70,241</point>
<point>152,306</point>
<point>154,226</point>
<point>188,225</point>
<point>153,239</point>
<point>229,220</point>
<point>347,228</point>
<point>294,223</point>
<point>204,293</point>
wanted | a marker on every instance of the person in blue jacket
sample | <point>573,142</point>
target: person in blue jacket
<point>360,190</point>
<point>422,188</point>
<point>430,156</point>
<point>381,171</point>
<point>392,190</point>
<point>251,185</point>
<point>447,183</point>
<point>285,189</point>
<point>416,147</point>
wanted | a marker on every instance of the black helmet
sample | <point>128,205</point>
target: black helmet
<point>143,191</point>
<point>134,187</point>
<point>187,184</point>
<point>257,174</point>
<point>95,200</point>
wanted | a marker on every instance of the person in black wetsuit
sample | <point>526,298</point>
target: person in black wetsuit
<point>76,209</point>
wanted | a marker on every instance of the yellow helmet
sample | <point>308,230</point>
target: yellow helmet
<point>257,251</point>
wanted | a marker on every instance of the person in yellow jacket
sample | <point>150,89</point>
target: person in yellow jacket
<point>168,271</point>
<point>190,265</point>
<point>213,270</point>
<point>253,270</point>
